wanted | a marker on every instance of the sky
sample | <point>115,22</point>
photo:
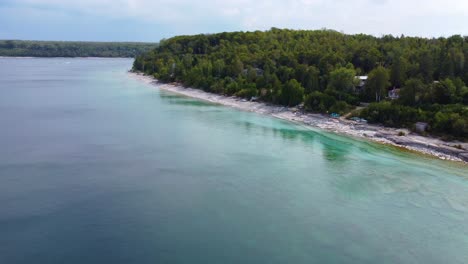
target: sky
<point>153,20</point>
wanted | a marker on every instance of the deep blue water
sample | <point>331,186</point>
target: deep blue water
<point>97,167</point>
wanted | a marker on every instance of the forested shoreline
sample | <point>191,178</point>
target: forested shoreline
<point>319,70</point>
<point>28,48</point>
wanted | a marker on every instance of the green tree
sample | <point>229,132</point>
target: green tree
<point>410,94</point>
<point>426,66</point>
<point>236,67</point>
<point>292,93</point>
<point>378,83</point>
<point>398,72</point>
<point>443,92</point>
<point>311,81</point>
<point>342,80</point>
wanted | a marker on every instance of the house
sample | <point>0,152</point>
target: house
<point>258,71</point>
<point>421,126</point>
<point>361,82</point>
<point>394,93</point>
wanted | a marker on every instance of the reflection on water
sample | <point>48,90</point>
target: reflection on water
<point>254,125</point>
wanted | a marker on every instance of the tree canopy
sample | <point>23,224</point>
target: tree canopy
<point>319,68</point>
<point>378,83</point>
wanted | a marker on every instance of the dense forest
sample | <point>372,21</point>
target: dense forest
<point>404,79</point>
<point>22,48</point>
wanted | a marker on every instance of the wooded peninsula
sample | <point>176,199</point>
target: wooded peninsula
<point>397,81</point>
<point>27,48</point>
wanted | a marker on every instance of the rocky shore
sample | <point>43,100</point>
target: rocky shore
<point>455,151</point>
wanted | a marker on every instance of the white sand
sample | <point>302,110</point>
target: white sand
<point>411,141</point>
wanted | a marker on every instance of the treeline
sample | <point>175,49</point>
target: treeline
<point>23,48</point>
<point>318,69</point>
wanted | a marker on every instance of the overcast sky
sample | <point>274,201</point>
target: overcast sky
<point>151,20</point>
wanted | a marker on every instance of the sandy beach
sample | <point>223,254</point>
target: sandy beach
<point>376,133</point>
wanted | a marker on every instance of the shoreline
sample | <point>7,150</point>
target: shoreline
<point>375,133</point>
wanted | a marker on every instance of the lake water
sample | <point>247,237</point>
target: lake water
<point>97,167</point>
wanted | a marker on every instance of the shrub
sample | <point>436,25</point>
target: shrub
<point>319,102</point>
<point>340,107</point>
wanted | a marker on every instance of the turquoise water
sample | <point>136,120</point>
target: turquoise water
<point>97,167</point>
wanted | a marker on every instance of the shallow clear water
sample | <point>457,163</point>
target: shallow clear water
<point>97,167</point>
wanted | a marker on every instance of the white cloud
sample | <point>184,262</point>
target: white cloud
<point>417,17</point>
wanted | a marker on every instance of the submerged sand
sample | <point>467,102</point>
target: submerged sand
<point>376,133</point>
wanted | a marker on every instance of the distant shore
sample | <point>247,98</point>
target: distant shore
<point>37,57</point>
<point>376,133</point>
